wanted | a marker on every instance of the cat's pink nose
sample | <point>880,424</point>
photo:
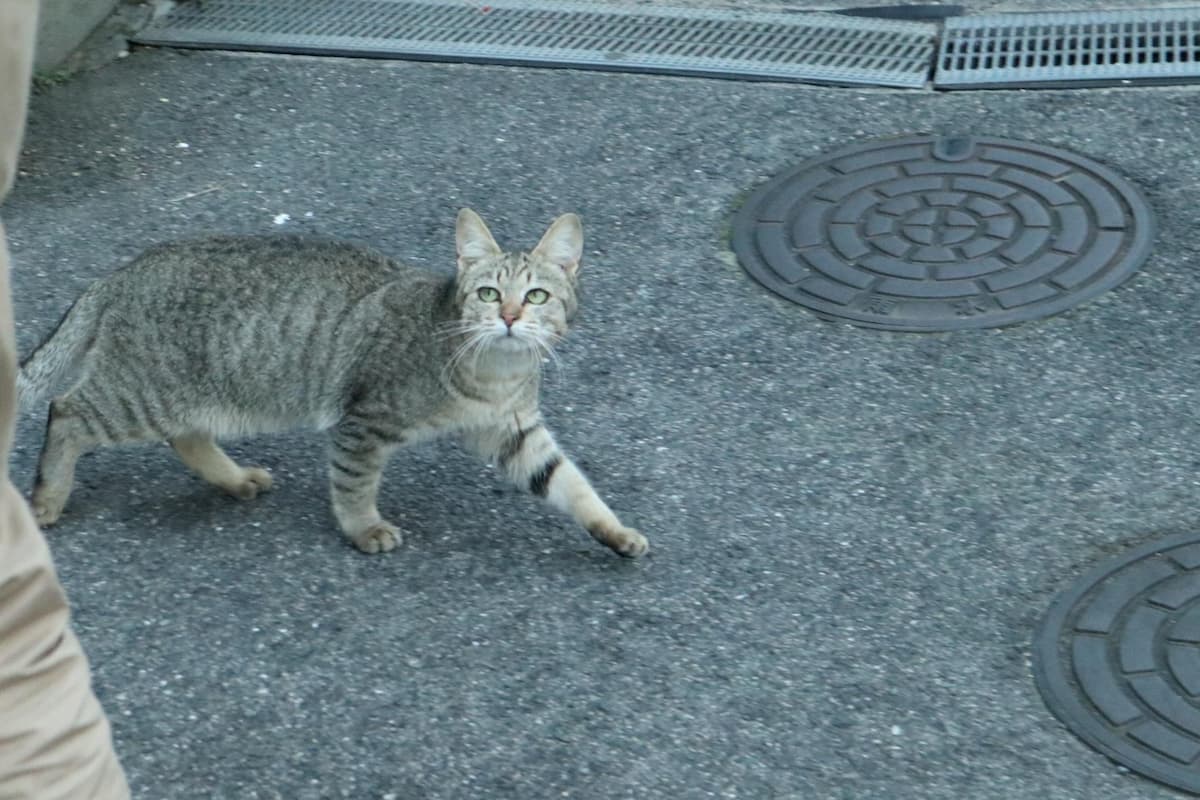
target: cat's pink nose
<point>509,317</point>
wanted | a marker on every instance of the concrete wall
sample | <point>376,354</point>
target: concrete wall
<point>63,25</point>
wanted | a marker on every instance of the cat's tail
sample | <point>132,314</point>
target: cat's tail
<point>59,354</point>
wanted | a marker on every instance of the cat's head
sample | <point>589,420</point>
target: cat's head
<point>518,300</point>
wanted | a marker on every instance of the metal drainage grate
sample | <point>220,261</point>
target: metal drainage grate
<point>1117,658</point>
<point>815,48</point>
<point>1070,49</point>
<point>932,233</point>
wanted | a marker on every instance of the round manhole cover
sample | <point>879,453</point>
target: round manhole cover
<point>932,233</point>
<point>1117,659</point>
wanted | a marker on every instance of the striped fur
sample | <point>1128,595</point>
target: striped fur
<point>233,336</point>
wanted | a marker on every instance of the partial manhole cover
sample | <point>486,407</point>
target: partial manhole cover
<point>931,233</point>
<point>1117,659</point>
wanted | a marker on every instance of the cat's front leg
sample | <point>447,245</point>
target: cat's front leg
<point>356,462</point>
<point>533,460</point>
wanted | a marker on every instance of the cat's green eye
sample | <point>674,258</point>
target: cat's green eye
<point>489,294</point>
<point>537,296</point>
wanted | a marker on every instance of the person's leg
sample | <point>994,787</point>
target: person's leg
<point>18,28</point>
<point>55,742</point>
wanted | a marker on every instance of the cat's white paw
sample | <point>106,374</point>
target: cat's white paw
<point>379,538</point>
<point>253,481</point>
<point>623,541</point>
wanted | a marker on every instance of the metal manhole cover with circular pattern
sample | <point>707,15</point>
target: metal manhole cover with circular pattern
<point>930,233</point>
<point>1117,658</point>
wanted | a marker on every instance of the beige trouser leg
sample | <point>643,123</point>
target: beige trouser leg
<point>55,742</point>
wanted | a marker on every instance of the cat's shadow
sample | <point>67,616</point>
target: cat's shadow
<point>173,510</point>
<point>170,512</point>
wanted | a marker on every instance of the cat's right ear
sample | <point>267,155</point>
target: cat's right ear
<point>474,240</point>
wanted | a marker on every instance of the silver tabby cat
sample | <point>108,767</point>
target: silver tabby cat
<point>233,336</point>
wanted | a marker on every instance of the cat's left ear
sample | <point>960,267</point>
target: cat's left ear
<point>562,244</point>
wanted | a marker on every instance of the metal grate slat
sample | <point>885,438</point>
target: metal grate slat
<point>804,47</point>
<point>1069,49</point>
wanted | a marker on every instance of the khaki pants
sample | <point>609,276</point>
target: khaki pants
<point>55,742</point>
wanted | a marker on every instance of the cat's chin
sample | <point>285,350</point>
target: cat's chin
<point>513,351</point>
<point>511,344</point>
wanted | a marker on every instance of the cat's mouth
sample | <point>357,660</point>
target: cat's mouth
<point>510,334</point>
<point>511,341</point>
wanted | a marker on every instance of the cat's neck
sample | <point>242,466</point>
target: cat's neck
<point>498,374</point>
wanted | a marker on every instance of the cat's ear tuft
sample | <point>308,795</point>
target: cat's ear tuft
<point>562,244</point>
<point>473,238</point>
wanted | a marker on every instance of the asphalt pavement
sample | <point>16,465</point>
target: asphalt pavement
<point>853,532</point>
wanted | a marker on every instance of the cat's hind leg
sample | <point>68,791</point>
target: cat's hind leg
<point>205,457</point>
<point>74,427</point>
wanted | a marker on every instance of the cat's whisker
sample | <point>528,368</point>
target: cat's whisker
<point>448,330</point>
<point>472,344</point>
<point>546,352</point>
<point>480,346</point>
<point>477,350</point>
<point>460,324</point>
<point>468,350</point>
